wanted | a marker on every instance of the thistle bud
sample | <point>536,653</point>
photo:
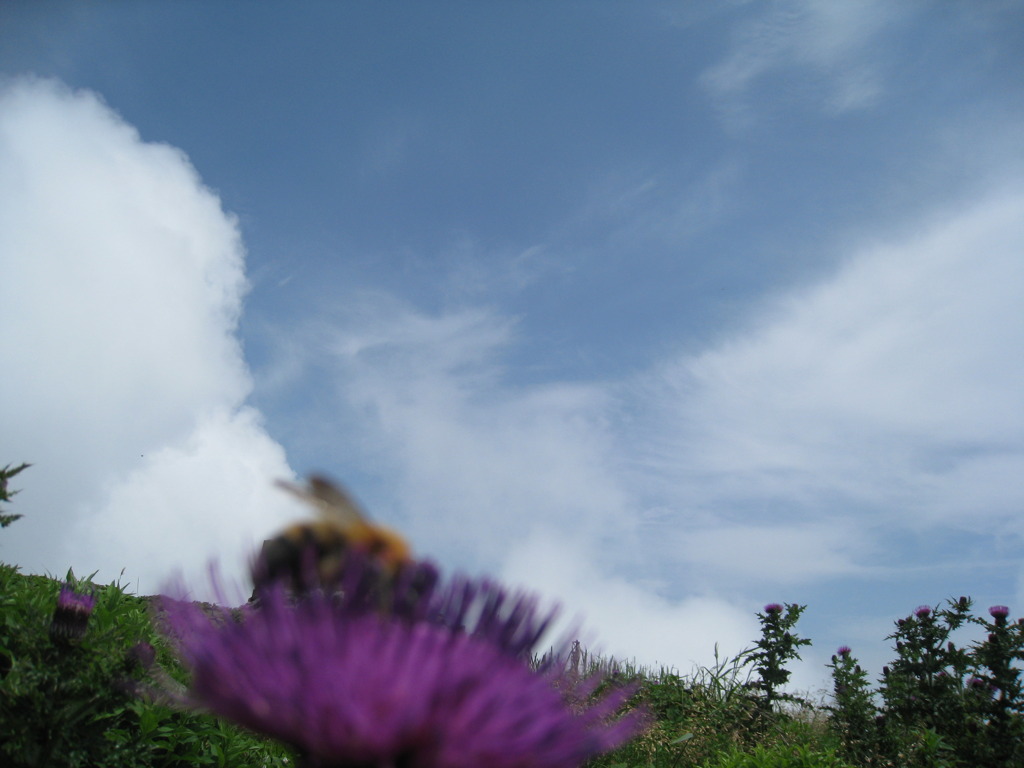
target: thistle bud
<point>71,617</point>
<point>999,613</point>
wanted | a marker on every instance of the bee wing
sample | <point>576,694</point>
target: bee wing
<point>328,499</point>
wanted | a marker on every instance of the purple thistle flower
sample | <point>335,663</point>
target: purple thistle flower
<point>773,608</point>
<point>512,622</point>
<point>71,616</point>
<point>923,611</point>
<point>448,688</point>
<point>844,651</point>
<point>484,609</point>
<point>999,613</point>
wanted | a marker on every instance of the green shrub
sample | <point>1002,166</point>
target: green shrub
<point>69,700</point>
<point>778,756</point>
<point>5,493</point>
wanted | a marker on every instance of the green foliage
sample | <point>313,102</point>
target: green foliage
<point>999,693</point>
<point>5,494</point>
<point>713,713</point>
<point>777,647</point>
<point>940,705</point>
<point>854,711</point>
<point>74,704</point>
<point>923,686</point>
<point>778,756</point>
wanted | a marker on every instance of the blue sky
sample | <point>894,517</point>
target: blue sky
<point>668,310</point>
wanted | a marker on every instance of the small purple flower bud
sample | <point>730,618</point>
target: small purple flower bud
<point>142,654</point>
<point>844,651</point>
<point>71,617</point>
<point>885,671</point>
<point>999,613</point>
<point>977,684</point>
<point>772,609</point>
<point>923,611</point>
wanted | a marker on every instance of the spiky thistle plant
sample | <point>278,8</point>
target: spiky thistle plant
<point>777,647</point>
<point>5,494</point>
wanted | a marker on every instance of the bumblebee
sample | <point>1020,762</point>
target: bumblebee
<point>311,553</point>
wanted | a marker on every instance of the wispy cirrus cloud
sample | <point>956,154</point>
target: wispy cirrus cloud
<point>887,394</point>
<point>470,457</point>
<point>828,44</point>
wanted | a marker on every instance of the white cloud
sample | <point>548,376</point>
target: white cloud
<point>208,496</point>
<point>469,457</point>
<point>629,620</point>
<point>638,210</point>
<point>123,377</point>
<point>790,553</point>
<point>891,391</point>
<point>829,41</point>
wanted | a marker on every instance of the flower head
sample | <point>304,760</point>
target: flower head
<point>999,613</point>
<point>71,617</point>
<point>923,611</point>
<point>512,622</point>
<point>844,651</point>
<point>772,609</point>
<point>142,655</point>
<point>445,683</point>
<point>980,684</point>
